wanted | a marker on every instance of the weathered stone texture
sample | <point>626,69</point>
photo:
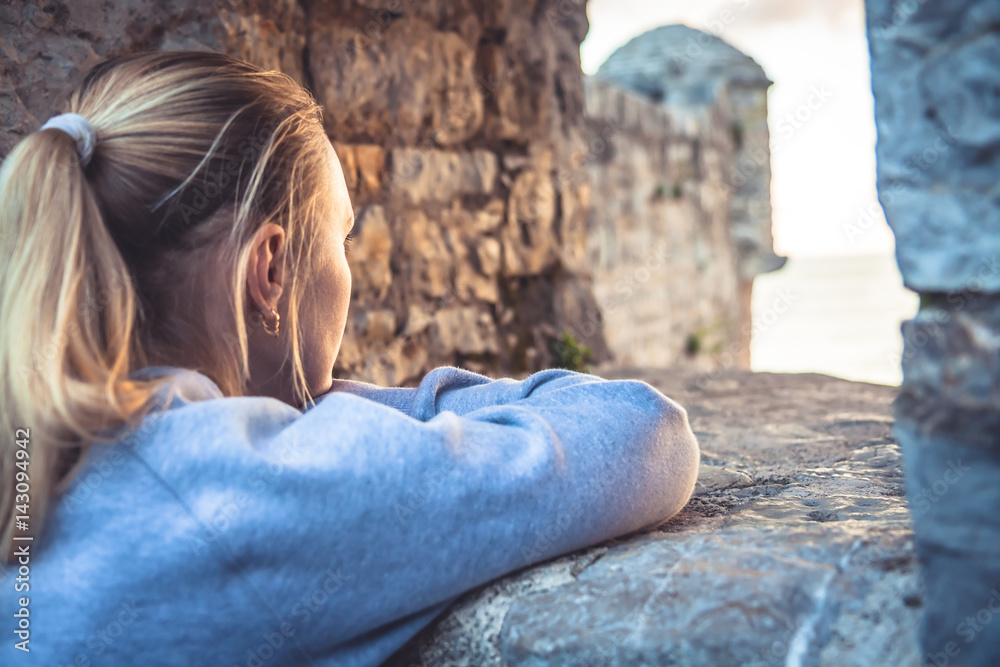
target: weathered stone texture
<point>935,77</point>
<point>373,89</point>
<point>796,549</point>
<point>421,176</point>
<point>47,45</point>
<point>948,420</point>
<point>680,174</point>
<point>478,109</point>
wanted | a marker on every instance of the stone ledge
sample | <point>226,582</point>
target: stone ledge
<point>795,549</point>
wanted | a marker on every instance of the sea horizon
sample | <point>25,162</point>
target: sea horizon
<point>838,315</point>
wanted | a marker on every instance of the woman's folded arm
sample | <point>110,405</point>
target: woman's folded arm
<point>460,390</point>
<point>407,511</point>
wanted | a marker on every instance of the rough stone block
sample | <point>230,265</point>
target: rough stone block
<point>376,325</point>
<point>528,238</point>
<point>466,330</point>
<point>369,256</point>
<point>428,261</point>
<point>371,166</point>
<point>948,421</point>
<point>407,82</point>
<point>424,175</point>
<point>488,256</point>
<point>934,73</point>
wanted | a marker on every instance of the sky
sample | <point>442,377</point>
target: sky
<point>823,163</point>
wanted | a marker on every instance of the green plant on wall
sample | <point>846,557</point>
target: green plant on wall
<point>737,131</point>
<point>660,191</point>
<point>692,346</point>
<point>569,353</point>
<point>697,342</point>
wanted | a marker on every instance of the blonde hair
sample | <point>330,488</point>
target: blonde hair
<point>105,262</point>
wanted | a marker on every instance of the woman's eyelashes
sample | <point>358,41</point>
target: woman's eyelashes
<point>349,241</point>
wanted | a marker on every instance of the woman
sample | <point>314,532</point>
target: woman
<point>175,295</point>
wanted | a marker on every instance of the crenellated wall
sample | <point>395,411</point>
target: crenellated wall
<point>660,245</point>
<point>681,215</point>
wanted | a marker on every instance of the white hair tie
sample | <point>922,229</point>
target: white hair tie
<point>80,129</point>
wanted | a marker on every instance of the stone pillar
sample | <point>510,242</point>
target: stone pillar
<point>936,77</point>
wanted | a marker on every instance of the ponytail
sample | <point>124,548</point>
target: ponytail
<point>68,305</point>
<point>106,253</point>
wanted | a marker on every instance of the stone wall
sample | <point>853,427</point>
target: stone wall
<point>681,215</point>
<point>936,81</point>
<point>500,203</point>
<point>661,250</point>
<point>455,122</point>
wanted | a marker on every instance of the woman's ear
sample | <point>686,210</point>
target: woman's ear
<point>265,266</point>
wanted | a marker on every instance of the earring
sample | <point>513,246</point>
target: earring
<point>277,323</point>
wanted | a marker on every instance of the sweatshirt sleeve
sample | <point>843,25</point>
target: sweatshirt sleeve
<point>409,497</point>
<point>459,390</point>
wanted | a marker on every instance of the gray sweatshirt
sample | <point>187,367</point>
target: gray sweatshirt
<point>244,531</point>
